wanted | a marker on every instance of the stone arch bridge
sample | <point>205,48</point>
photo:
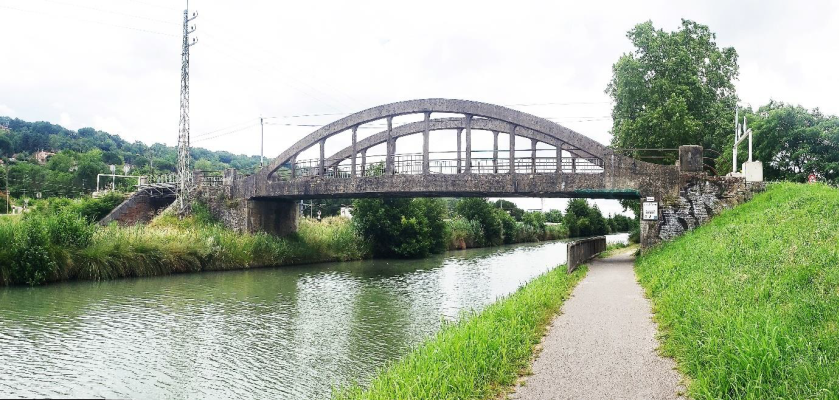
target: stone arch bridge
<point>558,162</point>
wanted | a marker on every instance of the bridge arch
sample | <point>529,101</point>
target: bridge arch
<point>502,118</point>
<point>484,124</point>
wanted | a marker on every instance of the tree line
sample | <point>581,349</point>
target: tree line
<point>80,155</point>
<point>403,227</point>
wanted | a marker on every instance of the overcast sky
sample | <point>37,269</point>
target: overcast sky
<point>115,64</point>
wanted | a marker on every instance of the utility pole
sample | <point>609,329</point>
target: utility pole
<point>184,171</point>
<point>261,142</point>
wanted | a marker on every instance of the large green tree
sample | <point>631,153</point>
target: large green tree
<point>674,89</point>
<point>792,142</point>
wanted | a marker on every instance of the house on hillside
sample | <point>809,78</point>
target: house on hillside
<point>42,156</point>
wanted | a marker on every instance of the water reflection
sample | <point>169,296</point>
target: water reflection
<point>292,332</point>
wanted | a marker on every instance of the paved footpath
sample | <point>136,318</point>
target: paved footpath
<point>602,345</point>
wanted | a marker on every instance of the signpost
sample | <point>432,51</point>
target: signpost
<point>649,209</point>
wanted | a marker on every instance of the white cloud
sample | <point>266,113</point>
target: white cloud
<point>288,58</point>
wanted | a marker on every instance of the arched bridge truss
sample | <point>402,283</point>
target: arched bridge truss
<point>566,164</point>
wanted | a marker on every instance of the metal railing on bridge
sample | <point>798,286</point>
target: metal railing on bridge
<point>445,162</point>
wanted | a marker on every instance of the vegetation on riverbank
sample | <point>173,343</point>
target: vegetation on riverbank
<point>43,247</point>
<point>481,355</point>
<point>400,227</point>
<point>748,304</point>
<point>59,240</point>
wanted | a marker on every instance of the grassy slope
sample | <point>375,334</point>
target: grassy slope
<point>749,303</point>
<point>480,356</point>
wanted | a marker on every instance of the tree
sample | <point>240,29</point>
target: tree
<point>398,227</point>
<point>553,216</point>
<point>792,142</point>
<point>511,207</point>
<point>5,146</point>
<point>477,209</point>
<point>674,89</point>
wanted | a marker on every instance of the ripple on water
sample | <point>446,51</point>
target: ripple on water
<point>293,332</point>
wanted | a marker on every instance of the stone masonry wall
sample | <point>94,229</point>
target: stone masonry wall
<point>700,198</point>
<point>138,208</point>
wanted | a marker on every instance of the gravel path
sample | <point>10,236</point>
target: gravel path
<point>603,344</point>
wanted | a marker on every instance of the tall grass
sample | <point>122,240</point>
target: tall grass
<point>481,355</point>
<point>749,303</point>
<point>64,245</point>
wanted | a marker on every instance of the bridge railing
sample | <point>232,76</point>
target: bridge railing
<point>445,162</point>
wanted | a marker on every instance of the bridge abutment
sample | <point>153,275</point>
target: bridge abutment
<point>275,216</point>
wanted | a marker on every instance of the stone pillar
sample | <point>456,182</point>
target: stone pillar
<point>197,178</point>
<point>274,216</point>
<point>293,163</point>
<point>354,148</point>
<point>573,164</point>
<point>494,152</point>
<point>425,157</point>
<point>391,147</point>
<point>690,159</point>
<point>321,163</point>
<point>459,166</point>
<point>532,156</point>
<point>363,161</point>
<point>230,176</point>
<point>559,158</point>
<point>513,150</point>
<point>468,144</point>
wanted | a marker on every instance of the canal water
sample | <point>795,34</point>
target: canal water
<point>290,332</point>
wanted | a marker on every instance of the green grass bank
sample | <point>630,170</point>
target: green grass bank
<point>41,248</point>
<point>748,305</point>
<point>480,356</point>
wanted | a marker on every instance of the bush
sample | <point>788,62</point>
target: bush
<point>401,227</point>
<point>477,209</point>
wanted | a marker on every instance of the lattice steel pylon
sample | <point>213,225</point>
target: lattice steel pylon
<point>184,158</point>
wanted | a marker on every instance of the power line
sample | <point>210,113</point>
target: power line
<point>111,12</point>
<point>153,5</point>
<point>267,72</point>
<point>88,20</point>
<point>249,120</point>
<point>262,50</point>
<point>227,133</point>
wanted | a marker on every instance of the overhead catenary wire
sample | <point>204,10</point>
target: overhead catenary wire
<point>64,17</point>
<point>113,12</point>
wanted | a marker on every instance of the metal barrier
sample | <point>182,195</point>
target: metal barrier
<point>580,251</point>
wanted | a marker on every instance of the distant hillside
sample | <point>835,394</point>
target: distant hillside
<point>26,148</point>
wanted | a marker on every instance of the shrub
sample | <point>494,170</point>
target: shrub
<point>401,227</point>
<point>477,209</point>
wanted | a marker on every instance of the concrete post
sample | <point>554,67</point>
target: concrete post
<point>573,164</point>
<point>513,150</point>
<point>354,149</point>
<point>391,148</point>
<point>363,161</point>
<point>294,166</point>
<point>468,144</point>
<point>559,159</point>
<point>532,156</point>
<point>425,160</point>
<point>494,152</point>
<point>459,166</point>
<point>322,164</point>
